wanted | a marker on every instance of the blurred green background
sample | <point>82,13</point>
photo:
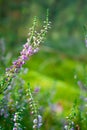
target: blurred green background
<point>62,57</point>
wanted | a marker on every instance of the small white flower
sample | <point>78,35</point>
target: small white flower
<point>66,127</point>
<point>28,40</point>
<point>34,126</point>
<point>35,121</point>
<point>16,124</point>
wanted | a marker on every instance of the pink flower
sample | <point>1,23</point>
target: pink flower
<point>24,57</point>
<point>29,51</point>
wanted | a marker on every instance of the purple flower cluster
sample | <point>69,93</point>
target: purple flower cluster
<point>29,48</point>
<point>27,51</point>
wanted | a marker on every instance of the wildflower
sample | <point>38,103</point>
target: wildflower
<point>37,121</point>
<point>29,48</point>
<point>65,127</point>
<point>31,101</point>
<point>40,118</point>
<point>16,119</point>
<point>14,128</point>
<point>37,89</point>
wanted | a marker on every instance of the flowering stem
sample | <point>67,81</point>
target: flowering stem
<point>29,48</point>
<point>33,28</point>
